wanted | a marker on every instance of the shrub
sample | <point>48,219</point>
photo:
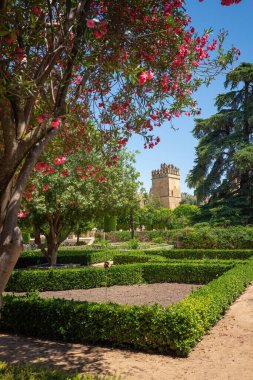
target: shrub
<point>134,258</point>
<point>66,256</point>
<point>63,279</point>
<point>176,328</point>
<point>133,244</point>
<point>84,278</point>
<point>137,258</point>
<point>200,237</point>
<point>26,237</point>
<point>217,237</point>
<point>158,240</point>
<point>197,254</point>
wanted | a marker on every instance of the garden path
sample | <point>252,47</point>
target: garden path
<point>224,354</point>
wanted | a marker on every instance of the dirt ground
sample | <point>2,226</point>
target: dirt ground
<point>162,294</point>
<point>225,354</point>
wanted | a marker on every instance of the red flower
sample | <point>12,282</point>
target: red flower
<point>23,214</point>
<point>60,160</point>
<point>41,118</point>
<point>37,11</point>
<point>90,23</point>
<point>55,123</point>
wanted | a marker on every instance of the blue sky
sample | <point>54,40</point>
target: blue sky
<point>177,146</point>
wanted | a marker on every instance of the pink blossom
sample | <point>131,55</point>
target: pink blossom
<point>20,53</point>
<point>46,187</point>
<point>55,123</point>
<point>9,40</point>
<point>98,33</point>
<point>90,23</point>
<point>150,75</point>
<point>65,172</point>
<point>60,160</point>
<point>144,76</point>
<point>37,11</point>
<point>41,118</point>
<point>23,214</point>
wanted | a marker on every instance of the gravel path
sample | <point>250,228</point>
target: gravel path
<point>162,294</point>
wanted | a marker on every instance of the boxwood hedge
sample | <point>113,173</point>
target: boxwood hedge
<point>83,278</point>
<point>88,257</point>
<point>192,254</point>
<point>131,258</point>
<point>176,328</point>
<point>66,256</point>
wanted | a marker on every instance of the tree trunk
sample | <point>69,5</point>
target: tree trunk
<point>132,224</point>
<point>37,238</point>
<point>11,242</point>
<point>52,245</point>
<point>78,234</point>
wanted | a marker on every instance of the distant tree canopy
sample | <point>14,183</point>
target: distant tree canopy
<point>223,171</point>
<point>188,199</point>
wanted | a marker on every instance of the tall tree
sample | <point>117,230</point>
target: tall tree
<point>223,171</point>
<point>127,65</point>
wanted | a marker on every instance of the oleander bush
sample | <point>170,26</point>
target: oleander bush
<point>84,278</point>
<point>176,328</point>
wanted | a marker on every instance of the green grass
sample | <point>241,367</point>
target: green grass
<point>32,372</point>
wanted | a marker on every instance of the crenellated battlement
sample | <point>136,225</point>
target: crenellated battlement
<point>165,170</point>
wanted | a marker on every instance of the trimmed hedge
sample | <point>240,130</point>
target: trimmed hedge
<point>120,259</point>
<point>66,256</point>
<point>88,257</point>
<point>131,258</point>
<point>176,328</point>
<point>198,254</point>
<point>63,279</point>
<point>85,278</point>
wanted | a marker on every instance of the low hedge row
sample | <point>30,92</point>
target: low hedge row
<point>130,258</point>
<point>88,257</point>
<point>84,278</point>
<point>133,258</point>
<point>65,256</point>
<point>192,254</point>
<point>176,328</point>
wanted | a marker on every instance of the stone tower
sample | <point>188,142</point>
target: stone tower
<point>166,185</point>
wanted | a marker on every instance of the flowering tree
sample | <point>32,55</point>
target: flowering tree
<point>128,66</point>
<point>69,190</point>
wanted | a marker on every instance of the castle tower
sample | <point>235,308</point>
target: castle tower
<point>166,185</point>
